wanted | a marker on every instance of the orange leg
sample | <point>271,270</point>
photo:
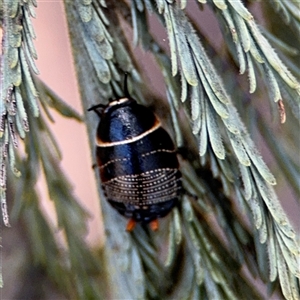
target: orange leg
<point>130,225</point>
<point>154,225</point>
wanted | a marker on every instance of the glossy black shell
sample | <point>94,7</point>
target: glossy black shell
<point>137,161</point>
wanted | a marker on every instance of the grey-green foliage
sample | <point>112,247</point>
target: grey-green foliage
<point>223,142</point>
<point>24,103</point>
<point>200,249</point>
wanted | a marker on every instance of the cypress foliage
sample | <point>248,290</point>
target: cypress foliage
<point>229,229</point>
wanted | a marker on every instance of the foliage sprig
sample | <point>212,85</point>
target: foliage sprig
<point>25,101</point>
<point>212,114</point>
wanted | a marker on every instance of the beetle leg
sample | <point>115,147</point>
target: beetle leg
<point>130,225</point>
<point>154,225</point>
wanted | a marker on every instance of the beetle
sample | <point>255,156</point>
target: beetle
<point>137,161</point>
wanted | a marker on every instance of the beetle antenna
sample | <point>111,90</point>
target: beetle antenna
<point>95,109</point>
<point>126,85</point>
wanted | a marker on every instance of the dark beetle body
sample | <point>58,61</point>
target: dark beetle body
<point>137,161</point>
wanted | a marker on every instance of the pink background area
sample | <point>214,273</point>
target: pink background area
<point>57,71</point>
